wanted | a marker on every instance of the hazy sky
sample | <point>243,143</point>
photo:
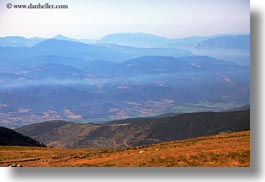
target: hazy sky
<point>96,18</point>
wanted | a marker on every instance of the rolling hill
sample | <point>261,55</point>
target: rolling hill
<point>17,41</point>
<point>232,48</point>
<point>222,150</point>
<point>73,49</point>
<point>137,131</point>
<point>241,42</point>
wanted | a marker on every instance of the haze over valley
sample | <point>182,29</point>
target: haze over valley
<point>119,76</point>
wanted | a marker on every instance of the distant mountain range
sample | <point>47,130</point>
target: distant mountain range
<point>86,52</point>
<point>10,137</point>
<point>139,75</point>
<point>136,131</point>
<point>229,47</point>
<point>234,48</point>
<point>143,40</point>
<point>17,41</point>
<point>135,40</point>
<point>84,91</point>
<point>240,42</point>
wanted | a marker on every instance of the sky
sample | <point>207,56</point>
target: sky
<point>92,19</point>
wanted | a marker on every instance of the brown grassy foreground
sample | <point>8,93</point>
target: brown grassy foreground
<point>231,149</point>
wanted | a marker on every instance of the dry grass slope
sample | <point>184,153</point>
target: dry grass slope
<point>223,150</point>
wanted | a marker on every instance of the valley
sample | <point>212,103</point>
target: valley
<point>125,84</point>
<point>49,87</point>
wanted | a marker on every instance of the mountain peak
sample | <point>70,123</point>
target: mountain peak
<point>61,37</point>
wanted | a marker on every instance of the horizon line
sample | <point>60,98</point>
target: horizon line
<point>180,37</point>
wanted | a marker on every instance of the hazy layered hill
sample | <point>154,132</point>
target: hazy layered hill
<point>72,49</point>
<point>145,65</point>
<point>135,39</point>
<point>62,78</point>
<point>81,91</point>
<point>122,46</point>
<point>198,42</point>
<point>233,48</point>
<point>241,42</point>
<point>137,131</point>
<point>151,40</point>
<point>17,41</point>
<point>53,71</point>
<point>9,137</point>
<point>143,40</point>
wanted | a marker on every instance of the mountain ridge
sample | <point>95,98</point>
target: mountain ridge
<point>10,137</point>
<point>137,131</point>
<point>144,86</point>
